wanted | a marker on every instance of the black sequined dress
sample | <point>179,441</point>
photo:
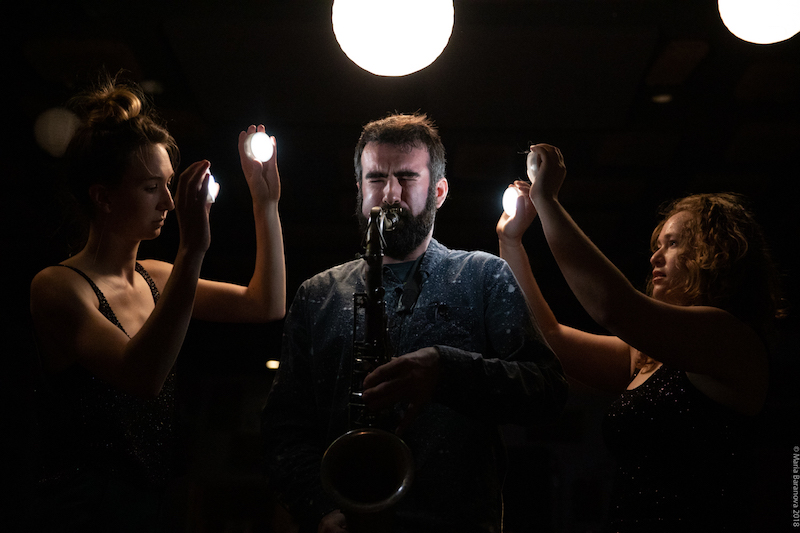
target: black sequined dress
<point>106,453</point>
<point>681,458</point>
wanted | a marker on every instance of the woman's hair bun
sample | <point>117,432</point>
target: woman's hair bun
<point>109,105</point>
<point>117,122</point>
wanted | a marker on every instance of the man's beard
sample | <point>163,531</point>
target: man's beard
<point>409,232</point>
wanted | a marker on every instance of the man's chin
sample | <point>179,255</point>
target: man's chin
<point>405,248</point>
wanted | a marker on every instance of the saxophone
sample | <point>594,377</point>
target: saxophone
<point>369,469</point>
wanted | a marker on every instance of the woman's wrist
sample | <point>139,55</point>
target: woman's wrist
<point>189,257</point>
<point>508,241</point>
<point>266,209</point>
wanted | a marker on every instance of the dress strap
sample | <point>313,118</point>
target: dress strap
<point>105,308</point>
<point>146,275</point>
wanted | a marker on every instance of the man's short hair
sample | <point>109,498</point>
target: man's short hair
<point>411,131</point>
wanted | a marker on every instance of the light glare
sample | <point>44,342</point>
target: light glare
<point>258,146</point>
<point>370,33</point>
<point>510,201</point>
<point>213,189</point>
<point>762,21</point>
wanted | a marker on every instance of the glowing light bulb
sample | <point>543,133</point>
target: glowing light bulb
<point>273,364</point>
<point>510,201</point>
<point>213,189</point>
<point>365,30</point>
<point>532,165</point>
<point>761,22</point>
<point>258,146</point>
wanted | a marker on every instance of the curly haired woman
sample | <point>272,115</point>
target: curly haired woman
<point>689,359</point>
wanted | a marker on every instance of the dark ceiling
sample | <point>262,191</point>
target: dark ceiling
<point>580,74</point>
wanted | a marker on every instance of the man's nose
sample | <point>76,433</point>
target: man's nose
<point>393,191</point>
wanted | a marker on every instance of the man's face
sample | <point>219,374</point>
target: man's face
<point>394,175</point>
<point>398,176</point>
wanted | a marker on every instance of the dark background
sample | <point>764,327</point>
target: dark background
<point>580,74</point>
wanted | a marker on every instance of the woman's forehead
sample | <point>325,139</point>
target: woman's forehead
<point>151,160</point>
<point>676,223</point>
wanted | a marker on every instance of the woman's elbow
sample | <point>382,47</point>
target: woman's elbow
<point>256,310</point>
<point>613,309</point>
<point>276,313</point>
<point>272,311</point>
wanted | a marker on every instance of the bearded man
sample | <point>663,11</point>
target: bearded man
<point>469,356</point>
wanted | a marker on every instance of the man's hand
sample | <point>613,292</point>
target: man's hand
<point>411,378</point>
<point>333,522</point>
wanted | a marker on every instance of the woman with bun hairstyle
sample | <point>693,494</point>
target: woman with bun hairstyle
<point>110,326</point>
<point>689,359</point>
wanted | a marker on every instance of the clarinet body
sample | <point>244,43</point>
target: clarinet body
<point>369,469</point>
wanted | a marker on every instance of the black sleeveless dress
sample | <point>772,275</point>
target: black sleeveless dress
<point>106,454</point>
<point>681,458</point>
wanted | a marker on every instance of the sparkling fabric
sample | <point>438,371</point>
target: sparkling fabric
<point>681,458</point>
<point>495,370</point>
<point>90,425</point>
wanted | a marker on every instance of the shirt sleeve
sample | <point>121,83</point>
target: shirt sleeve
<point>518,379</point>
<point>294,442</point>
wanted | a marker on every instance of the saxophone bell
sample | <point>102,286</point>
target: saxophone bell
<point>367,470</point>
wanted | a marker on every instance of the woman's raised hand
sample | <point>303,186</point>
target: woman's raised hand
<point>262,177</point>
<point>192,206</point>
<point>511,228</point>
<point>550,174</point>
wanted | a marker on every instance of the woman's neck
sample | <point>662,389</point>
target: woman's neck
<point>106,254</point>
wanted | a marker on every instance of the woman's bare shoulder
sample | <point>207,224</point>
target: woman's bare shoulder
<point>55,277</point>
<point>158,270</point>
<point>56,287</point>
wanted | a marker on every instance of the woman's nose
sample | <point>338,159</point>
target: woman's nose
<point>166,203</point>
<point>657,258</point>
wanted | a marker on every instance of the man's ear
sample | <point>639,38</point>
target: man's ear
<point>442,188</point>
<point>100,197</point>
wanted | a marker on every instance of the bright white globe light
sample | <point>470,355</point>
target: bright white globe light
<point>213,189</point>
<point>510,201</point>
<point>258,146</point>
<point>761,21</point>
<point>392,37</point>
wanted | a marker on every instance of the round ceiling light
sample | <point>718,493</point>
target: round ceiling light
<point>761,22</point>
<point>392,37</point>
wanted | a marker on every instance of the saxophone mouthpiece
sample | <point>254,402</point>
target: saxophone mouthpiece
<point>391,217</point>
